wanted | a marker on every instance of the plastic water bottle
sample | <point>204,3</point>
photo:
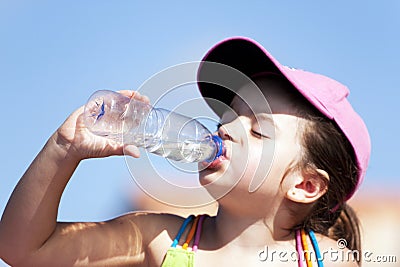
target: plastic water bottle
<point>162,132</point>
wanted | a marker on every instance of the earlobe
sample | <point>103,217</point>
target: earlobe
<point>310,188</point>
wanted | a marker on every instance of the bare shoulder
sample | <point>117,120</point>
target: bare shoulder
<point>335,253</point>
<point>150,224</point>
<point>157,232</point>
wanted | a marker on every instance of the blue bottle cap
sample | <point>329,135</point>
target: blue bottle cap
<point>220,146</point>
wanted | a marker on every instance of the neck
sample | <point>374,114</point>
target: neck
<point>246,229</point>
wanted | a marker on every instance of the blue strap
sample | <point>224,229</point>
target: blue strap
<point>178,236</point>
<point>316,248</point>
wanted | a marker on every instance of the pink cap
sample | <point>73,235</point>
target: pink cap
<point>326,94</point>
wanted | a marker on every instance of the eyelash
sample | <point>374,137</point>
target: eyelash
<point>258,134</point>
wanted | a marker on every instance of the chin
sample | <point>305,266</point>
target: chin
<point>218,182</point>
<point>207,177</point>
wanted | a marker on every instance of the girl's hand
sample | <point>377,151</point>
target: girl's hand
<point>78,142</point>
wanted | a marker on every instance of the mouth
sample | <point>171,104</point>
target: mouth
<point>216,163</point>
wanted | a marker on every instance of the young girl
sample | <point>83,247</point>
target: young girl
<point>308,150</point>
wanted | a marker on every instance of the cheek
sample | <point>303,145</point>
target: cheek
<point>285,157</point>
<point>251,164</point>
<point>261,172</point>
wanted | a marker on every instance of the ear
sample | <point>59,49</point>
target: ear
<point>309,187</point>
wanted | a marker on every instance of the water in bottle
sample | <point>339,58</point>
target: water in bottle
<point>162,132</point>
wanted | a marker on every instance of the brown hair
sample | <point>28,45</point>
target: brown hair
<point>325,147</point>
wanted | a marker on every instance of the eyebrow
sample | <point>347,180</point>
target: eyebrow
<point>233,104</point>
<point>268,118</point>
<point>260,116</point>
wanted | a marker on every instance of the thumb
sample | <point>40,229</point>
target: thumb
<point>132,151</point>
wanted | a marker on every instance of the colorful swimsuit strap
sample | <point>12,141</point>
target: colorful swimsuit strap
<point>305,248</point>
<point>181,230</point>
<point>198,233</point>
<point>191,233</point>
<point>299,248</point>
<point>316,248</point>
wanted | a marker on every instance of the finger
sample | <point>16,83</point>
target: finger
<point>141,98</point>
<point>132,151</point>
<point>145,99</point>
<point>128,93</point>
<point>135,95</point>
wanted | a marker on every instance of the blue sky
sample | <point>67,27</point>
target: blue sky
<point>54,54</point>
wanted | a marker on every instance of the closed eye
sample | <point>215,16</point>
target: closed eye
<point>257,134</point>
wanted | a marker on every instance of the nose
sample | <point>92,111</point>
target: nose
<point>223,132</point>
<point>229,131</point>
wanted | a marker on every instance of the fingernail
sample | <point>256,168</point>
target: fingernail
<point>132,150</point>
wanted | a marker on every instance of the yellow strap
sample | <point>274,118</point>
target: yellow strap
<point>177,257</point>
<point>305,248</point>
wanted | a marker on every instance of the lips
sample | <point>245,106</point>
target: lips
<point>216,163</point>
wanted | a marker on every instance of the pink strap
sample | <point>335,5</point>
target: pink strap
<point>198,233</point>
<point>299,248</point>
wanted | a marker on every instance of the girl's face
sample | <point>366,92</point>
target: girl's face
<point>262,143</point>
